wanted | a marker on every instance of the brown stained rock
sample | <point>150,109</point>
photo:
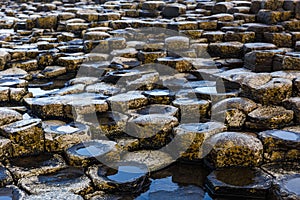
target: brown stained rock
<point>91,152</point>
<point>208,24</point>
<point>243,37</point>
<point>183,25</point>
<point>222,7</point>
<point>25,65</point>
<point>47,22</point>
<point>153,159</point>
<point>259,61</point>
<point>272,4</point>
<point>158,96</point>
<point>95,35</point>
<point>69,179</point>
<point>106,124</point>
<point>8,116</point>
<point>280,145</point>
<point>4,58</point>
<point>67,106</point>
<point>233,111</point>
<point>269,117</point>
<point>240,103</point>
<point>229,149</point>
<point>124,101</point>
<point>192,110</point>
<point>150,57</point>
<point>262,88</point>
<point>226,49</point>
<point>214,36</point>
<point>291,61</point>
<point>272,17</point>
<point>293,103</point>
<point>258,46</point>
<point>53,71</point>
<point>88,15</point>
<point>177,43</point>
<point>27,136</point>
<point>279,39</point>
<point>153,130</point>
<point>190,139</point>
<point>71,63</point>
<point>109,16</point>
<point>60,137</point>
<point>6,148</point>
<point>35,165</point>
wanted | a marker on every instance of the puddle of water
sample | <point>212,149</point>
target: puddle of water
<point>5,197</point>
<point>6,194</point>
<point>127,173</point>
<point>167,189</point>
<point>285,135</point>
<point>93,150</point>
<point>67,129</point>
<point>240,177</point>
<point>182,181</point>
<point>207,90</point>
<point>293,185</point>
<point>158,92</point>
<point>36,92</point>
<point>61,177</point>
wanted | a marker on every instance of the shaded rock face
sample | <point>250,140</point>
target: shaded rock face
<point>237,182</point>
<point>94,95</point>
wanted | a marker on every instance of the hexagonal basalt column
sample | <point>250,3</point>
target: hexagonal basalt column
<point>69,179</point>
<point>59,137</point>
<point>127,177</point>
<point>153,131</point>
<point>125,101</point>
<point>27,136</point>
<point>192,110</point>
<point>233,111</point>
<point>239,183</point>
<point>262,88</point>
<point>280,145</point>
<point>189,139</point>
<point>22,167</point>
<point>107,124</point>
<point>234,149</point>
<point>159,96</point>
<point>269,117</point>
<point>93,151</point>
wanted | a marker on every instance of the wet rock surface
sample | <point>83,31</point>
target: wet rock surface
<point>99,98</point>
